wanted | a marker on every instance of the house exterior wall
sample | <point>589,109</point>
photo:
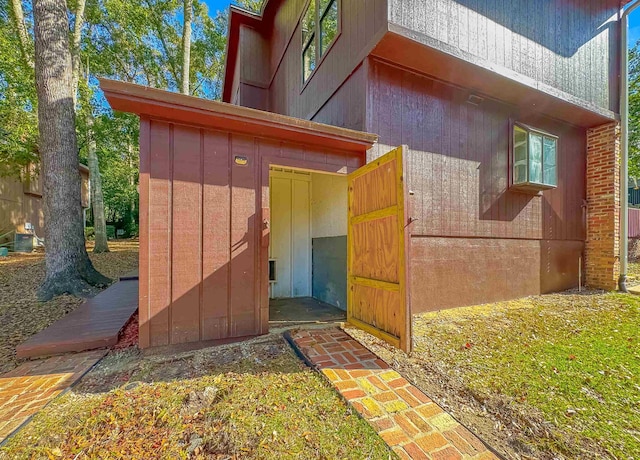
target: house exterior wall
<point>361,22</point>
<point>347,106</point>
<point>553,66</point>
<point>253,69</point>
<point>603,205</point>
<point>204,228</point>
<point>568,45</point>
<point>471,231</point>
<point>21,202</point>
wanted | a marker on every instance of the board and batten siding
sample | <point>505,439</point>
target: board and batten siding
<point>471,231</point>
<point>290,245</point>
<point>203,254</point>
<point>568,45</point>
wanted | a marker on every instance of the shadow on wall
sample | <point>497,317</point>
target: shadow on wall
<point>459,166</point>
<point>203,264</point>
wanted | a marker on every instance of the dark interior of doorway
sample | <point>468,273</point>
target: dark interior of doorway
<point>307,247</point>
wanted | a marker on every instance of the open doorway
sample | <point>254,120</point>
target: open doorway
<point>308,247</point>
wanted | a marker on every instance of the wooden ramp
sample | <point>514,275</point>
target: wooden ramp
<point>94,324</point>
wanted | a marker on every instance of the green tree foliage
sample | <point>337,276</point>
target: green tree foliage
<point>251,5</point>
<point>18,118</point>
<point>140,42</point>
<point>134,41</point>
<point>117,140</point>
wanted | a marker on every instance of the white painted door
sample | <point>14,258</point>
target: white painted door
<point>290,244</point>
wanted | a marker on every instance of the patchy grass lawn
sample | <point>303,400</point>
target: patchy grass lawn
<point>550,376</point>
<point>251,400</point>
<point>633,273</point>
<point>21,315</point>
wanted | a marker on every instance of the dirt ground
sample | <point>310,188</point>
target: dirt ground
<point>546,377</point>
<point>21,315</point>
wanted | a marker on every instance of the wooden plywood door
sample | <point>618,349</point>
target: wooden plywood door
<point>290,234</point>
<point>377,246</point>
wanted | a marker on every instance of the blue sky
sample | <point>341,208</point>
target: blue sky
<point>634,25</point>
<point>216,5</point>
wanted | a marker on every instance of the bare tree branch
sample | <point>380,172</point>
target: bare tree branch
<point>186,45</point>
<point>75,48</point>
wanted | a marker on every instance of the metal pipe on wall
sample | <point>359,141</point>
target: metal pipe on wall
<point>624,145</point>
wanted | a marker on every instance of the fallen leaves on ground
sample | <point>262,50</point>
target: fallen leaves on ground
<point>21,315</point>
<point>252,400</point>
<point>129,334</point>
<point>554,376</point>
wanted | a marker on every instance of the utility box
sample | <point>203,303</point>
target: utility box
<point>23,242</point>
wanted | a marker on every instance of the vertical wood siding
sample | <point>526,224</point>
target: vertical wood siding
<point>569,45</point>
<point>361,20</point>
<point>495,243</point>
<point>203,256</point>
<point>254,69</point>
<point>634,223</point>
<point>347,107</point>
<point>255,57</point>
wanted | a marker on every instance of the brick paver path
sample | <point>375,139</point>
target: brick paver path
<point>28,388</point>
<point>410,423</point>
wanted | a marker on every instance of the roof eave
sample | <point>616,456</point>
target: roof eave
<point>180,108</point>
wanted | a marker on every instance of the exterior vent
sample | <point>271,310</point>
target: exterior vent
<point>475,100</point>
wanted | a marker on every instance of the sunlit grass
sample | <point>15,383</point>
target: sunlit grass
<point>571,362</point>
<point>263,405</point>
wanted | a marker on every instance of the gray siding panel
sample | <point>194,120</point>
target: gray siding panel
<point>330,270</point>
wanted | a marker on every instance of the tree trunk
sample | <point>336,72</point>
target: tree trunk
<point>186,45</point>
<point>132,183</point>
<point>68,267</point>
<point>75,47</point>
<point>97,199</point>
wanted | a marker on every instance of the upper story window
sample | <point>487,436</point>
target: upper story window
<point>535,155</point>
<point>319,30</point>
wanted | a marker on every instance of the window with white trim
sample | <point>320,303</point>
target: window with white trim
<point>320,25</point>
<point>535,155</point>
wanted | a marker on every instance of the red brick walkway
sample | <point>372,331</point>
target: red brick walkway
<point>28,388</point>
<point>410,423</point>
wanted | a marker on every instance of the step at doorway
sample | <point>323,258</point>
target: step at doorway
<point>303,311</point>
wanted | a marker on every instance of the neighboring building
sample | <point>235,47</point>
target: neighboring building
<point>508,184</point>
<point>634,193</point>
<point>21,206</point>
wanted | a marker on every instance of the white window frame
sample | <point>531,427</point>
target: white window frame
<point>528,184</point>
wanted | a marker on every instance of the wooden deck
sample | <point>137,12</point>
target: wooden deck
<point>94,324</point>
